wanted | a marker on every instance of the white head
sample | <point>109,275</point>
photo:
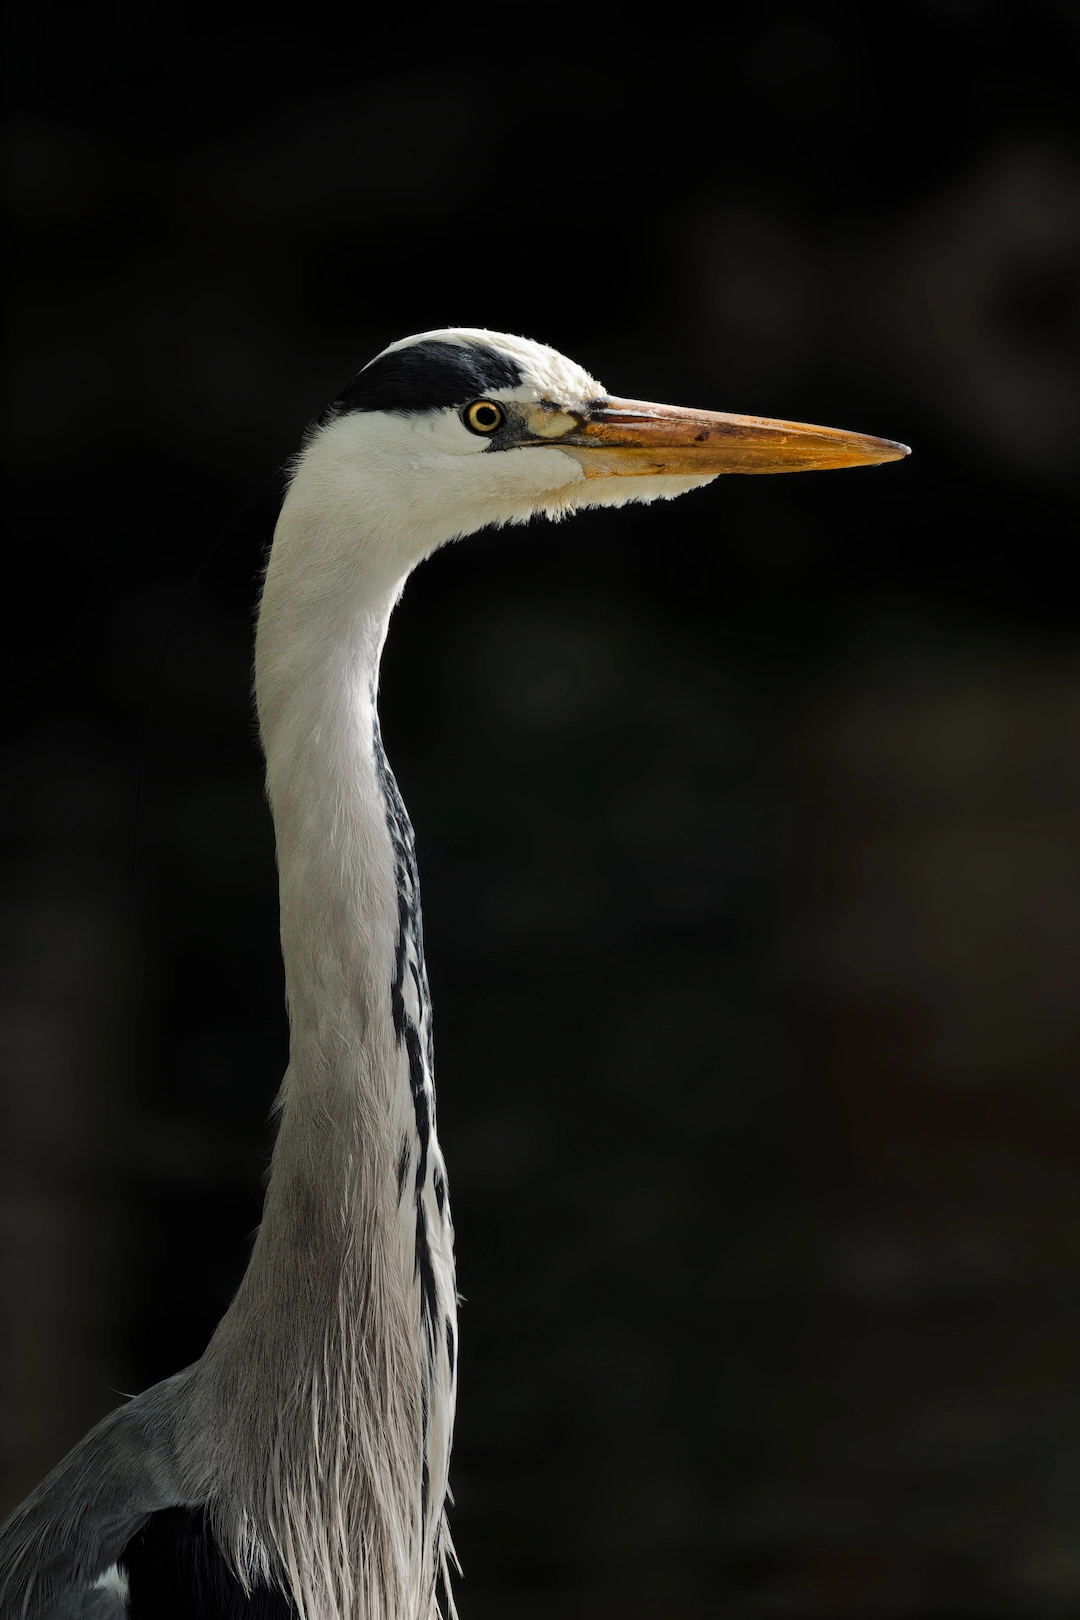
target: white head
<point>452,430</point>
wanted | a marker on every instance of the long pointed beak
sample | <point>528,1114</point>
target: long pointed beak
<point>628,437</point>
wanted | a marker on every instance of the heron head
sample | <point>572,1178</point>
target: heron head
<point>451,430</point>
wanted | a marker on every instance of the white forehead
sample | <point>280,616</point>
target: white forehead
<point>547,374</point>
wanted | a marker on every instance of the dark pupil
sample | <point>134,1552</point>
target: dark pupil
<point>487,416</point>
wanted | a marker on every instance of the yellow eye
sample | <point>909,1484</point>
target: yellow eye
<point>484,416</point>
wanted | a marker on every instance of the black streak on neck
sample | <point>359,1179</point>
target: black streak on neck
<point>410,928</point>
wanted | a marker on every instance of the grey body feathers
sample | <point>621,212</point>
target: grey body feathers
<point>58,1544</point>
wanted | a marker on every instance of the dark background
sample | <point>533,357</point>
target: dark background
<point>748,825</point>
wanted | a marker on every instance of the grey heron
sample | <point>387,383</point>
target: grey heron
<point>299,1468</point>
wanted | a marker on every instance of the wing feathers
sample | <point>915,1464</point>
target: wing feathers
<point>57,1545</point>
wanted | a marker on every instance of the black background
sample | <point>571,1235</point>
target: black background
<point>747,826</point>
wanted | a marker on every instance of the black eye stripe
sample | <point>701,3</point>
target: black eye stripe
<point>427,376</point>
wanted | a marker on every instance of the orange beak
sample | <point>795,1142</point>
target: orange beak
<point>627,437</point>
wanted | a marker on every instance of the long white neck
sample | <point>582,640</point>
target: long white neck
<point>334,1370</point>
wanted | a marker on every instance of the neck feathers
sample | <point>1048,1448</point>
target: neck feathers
<point>332,1377</point>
